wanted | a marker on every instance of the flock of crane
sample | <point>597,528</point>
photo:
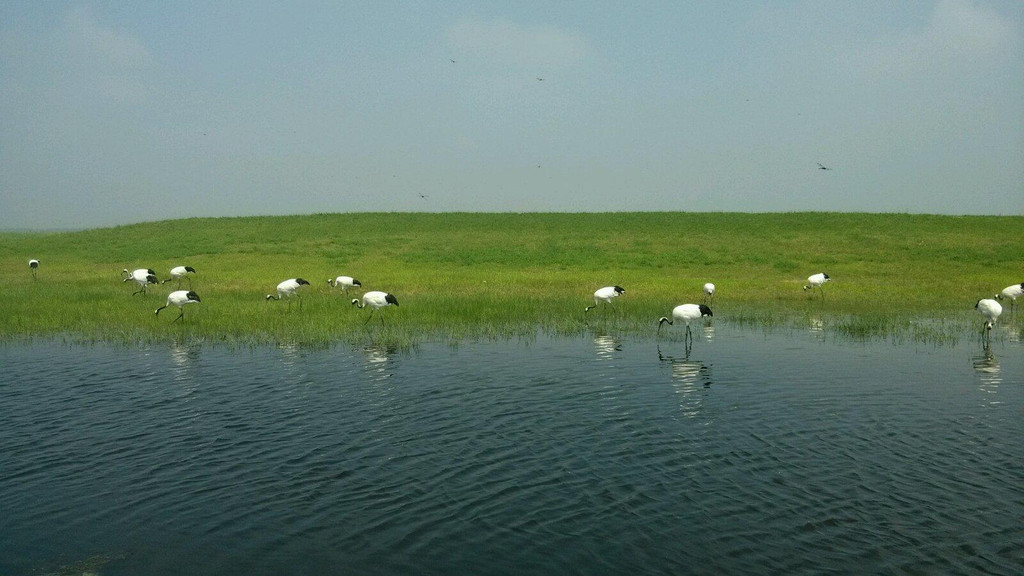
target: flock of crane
<point>990,308</point>
<point>286,290</point>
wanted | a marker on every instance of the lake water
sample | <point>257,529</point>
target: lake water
<point>777,453</point>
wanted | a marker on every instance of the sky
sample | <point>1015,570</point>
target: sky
<point>120,112</point>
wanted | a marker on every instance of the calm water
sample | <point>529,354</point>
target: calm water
<point>783,453</point>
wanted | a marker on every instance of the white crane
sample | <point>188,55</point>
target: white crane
<point>605,295</point>
<point>1011,292</point>
<point>33,265</point>
<point>686,313</point>
<point>991,310</point>
<point>180,298</point>
<point>345,282</point>
<point>709,293</point>
<point>289,288</point>
<point>141,276</point>
<point>375,299</point>
<point>815,281</point>
<point>179,272</point>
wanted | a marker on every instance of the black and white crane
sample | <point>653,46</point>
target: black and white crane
<point>686,313</point>
<point>991,310</point>
<point>816,281</point>
<point>179,272</point>
<point>373,300</point>
<point>288,289</point>
<point>345,282</point>
<point>180,298</point>
<point>606,295</point>
<point>141,276</point>
<point>33,265</point>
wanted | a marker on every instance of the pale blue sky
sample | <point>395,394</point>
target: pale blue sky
<point>119,112</point>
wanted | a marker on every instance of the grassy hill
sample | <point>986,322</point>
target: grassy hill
<point>479,275</point>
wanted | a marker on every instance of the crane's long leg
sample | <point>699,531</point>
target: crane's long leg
<point>181,314</point>
<point>372,310</point>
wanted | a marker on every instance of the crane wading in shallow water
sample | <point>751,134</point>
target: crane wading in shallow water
<point>605,295</point>
<point>373,300</point>
<point>686,313</point>
<point>180,298</point>
<point>991,310</point>
<point>287,289</point>
<point>142,276</point>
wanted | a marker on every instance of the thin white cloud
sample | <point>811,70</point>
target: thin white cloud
<point>103,45</point>
<point>960,35</point>
<point>77,57</point>
<point>503,42</point>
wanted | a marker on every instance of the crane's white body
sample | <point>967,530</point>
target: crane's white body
<point>180,298</point>
<point>141,276</point>
<point>179,272</point>
<point>606,295</point>
<point>990,309</point>
<point>345,282</point>
<point>816,281</point>
<point>1011,292</point>
<point>288,289</point>
<point>373,300</point>
<point>709,292</point>
<point>686,313</point>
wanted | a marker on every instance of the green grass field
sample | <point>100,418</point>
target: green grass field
<point>496,275</point>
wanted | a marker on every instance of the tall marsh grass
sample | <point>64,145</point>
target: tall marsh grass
<point>466,275</point>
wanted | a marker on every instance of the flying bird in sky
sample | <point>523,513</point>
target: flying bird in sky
<point>822,166</point>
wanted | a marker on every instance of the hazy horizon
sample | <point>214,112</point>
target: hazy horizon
<point>124,113</point>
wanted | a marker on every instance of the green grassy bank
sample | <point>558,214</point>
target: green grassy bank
<point>480,275</point>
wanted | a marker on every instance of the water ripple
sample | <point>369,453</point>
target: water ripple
<point>744,453</point>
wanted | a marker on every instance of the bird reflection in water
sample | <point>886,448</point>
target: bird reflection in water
<point>606,346</point>
<point>185,367</point>
<point>816,326</point>
<point>185,358</point>
<point>378,360</point>
<point>291,354</point>
<point>989,376</point>
<point>690,379</point>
